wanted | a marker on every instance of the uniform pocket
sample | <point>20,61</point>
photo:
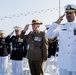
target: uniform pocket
<point>63,33</point>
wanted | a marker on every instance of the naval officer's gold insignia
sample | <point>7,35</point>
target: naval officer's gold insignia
<point>20,40</point>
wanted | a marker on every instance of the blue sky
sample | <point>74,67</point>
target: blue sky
<point>9,8</point>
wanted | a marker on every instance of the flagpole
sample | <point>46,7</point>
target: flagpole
<point>59,9</point>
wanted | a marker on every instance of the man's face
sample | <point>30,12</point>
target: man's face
<point>70,16</point>
<point>2,35</point>
<point>35,27</point>
<point>17,32</point>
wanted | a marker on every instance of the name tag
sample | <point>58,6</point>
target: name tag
<point>64,29</point>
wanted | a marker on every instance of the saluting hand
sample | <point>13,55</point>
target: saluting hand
<point>26,27</point>
<point>11,33</point>
<point>60,19</point>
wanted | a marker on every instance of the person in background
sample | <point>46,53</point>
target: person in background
<point>38,47</point>
<point>18,50</point>
<point>67,40</point>
<point>53,45</point>
<point>52,49</point>
<point>4,51</point>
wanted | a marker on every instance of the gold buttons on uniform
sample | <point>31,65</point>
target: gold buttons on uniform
<point>70,31</point>
<point>69,37</point>
<point>69,45</point>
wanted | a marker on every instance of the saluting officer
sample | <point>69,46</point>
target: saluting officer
<point>18,49</point>
<point>67,40</point>
<point>3,53</point>
<point>38,48</point>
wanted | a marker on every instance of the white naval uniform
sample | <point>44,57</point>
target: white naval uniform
<point>3,65</point>
<point>67,44</point>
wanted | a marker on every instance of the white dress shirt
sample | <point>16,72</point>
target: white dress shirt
<point>67,44</point>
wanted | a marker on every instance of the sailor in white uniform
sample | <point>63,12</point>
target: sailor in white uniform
<point>67,40</point>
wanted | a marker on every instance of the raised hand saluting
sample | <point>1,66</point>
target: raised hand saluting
<point>26,27</point>
<point>60,19</point>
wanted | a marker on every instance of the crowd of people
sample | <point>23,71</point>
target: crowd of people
<point>38,46</point>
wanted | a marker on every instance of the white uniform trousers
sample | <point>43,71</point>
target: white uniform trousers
<point>17,67</point>
<point>65,72</point>
<point>3,65</point>
<point>51,66</point>
<point>48,66</point>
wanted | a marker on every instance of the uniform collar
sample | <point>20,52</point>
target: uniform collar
<point>72,23</point>
<point>37,31</point>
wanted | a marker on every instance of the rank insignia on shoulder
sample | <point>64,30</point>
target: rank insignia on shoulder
<point>37,38</point>
<point>20,40</point>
